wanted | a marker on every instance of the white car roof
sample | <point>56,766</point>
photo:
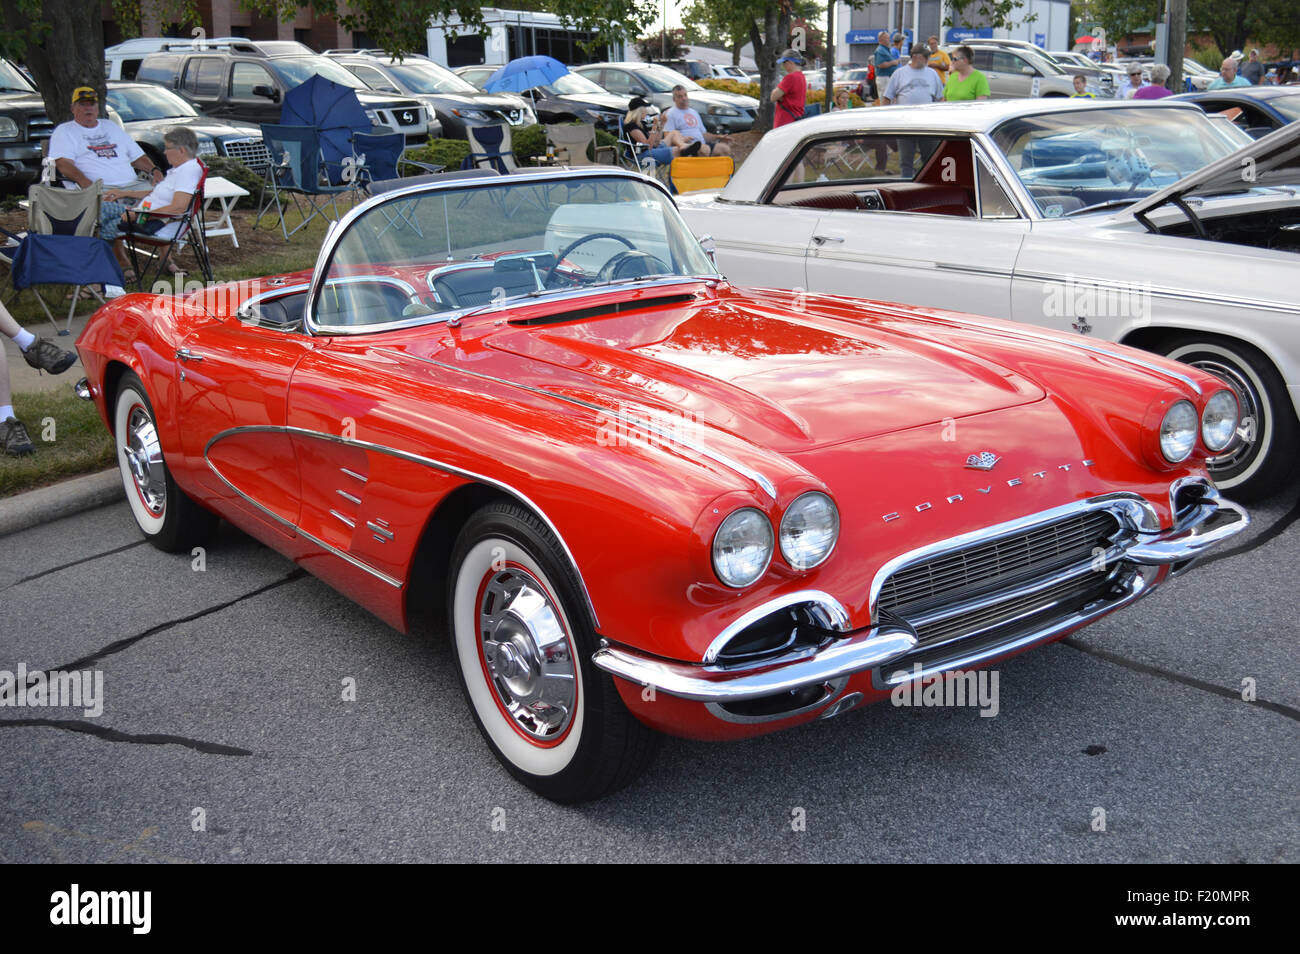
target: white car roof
<point>976,116</point>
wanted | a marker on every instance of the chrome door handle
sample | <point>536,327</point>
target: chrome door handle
<point>825,239</point>
<point>185,354</point>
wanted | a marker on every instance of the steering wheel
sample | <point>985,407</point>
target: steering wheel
<point>616,266</point>
<point>582,241</point>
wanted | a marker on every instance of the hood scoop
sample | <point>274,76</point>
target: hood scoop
<point>609,308</point>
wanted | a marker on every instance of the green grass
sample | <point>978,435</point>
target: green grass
<point>80,443</point>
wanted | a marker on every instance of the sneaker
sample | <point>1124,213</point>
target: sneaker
<point>17,443</point>
<point>692,149</point>
<point>47,356</point>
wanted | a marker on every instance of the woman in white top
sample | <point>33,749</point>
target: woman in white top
<point>175,193</point>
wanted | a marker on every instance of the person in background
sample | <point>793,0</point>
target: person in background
<point>899,49</point>
<point>38,353</point>
<point>1135,83</point>
<point>885,60</point>
<point>1253,70</point>
<point>647,137</point>
<point>1081,89</point>
<point>1157,89</point>
<point>842,98</point>
<point>88,149</point>
<point>939,60</point>
<point>1228,76</point>
<point>791,93</point>
<point>968,82</point>
<point>912,84</point>
<point>684,129</point>
<point>174,194</point>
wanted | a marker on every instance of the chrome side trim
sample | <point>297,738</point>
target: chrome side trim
<point>1143,580</point>
<point>831,611</point>
<point>1176,294</point>
<point>244,313</point>
<point>403,455</point>
<point>349,497</point>
<point>354,475</point>
<point>670,436</point>
<point>868,648</point>
<point>1135,510</point>
<point>347,521</point>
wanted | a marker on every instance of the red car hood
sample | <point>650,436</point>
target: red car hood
<point>773,376</point>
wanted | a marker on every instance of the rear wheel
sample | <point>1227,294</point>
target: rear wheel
<point>523,643</point>
<point>1264,457</point>
<point>165,515</point>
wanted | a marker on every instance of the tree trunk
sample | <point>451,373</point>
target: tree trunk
<point>69,55</point>
<point>767,47</point>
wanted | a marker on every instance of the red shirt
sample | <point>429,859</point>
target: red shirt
<point>790,106</point>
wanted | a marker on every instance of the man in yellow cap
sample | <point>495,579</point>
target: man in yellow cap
<point>90,149</point>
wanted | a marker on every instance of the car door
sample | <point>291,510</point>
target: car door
<point>232,384</point>
<point>946,238</point>
<point>242,103</point>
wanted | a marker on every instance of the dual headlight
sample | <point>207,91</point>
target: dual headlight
<point>1218,424</point>
<point>743,544</point>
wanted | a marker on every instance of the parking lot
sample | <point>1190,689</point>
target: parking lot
<point>250,713</point>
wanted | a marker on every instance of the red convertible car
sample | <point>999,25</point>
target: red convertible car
<point>642,499</point>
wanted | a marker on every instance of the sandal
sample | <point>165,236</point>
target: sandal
<point>129,276</point>
<point>85,294</point>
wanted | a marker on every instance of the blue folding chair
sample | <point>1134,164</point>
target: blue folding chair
<point>77,260</point>
<point>299,172</point>
<point>378,158</point>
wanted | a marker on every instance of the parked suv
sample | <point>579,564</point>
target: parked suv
<point>24,128</point>
<point>1019,73</point>
<point>247,81</point>
<point>147,111</point>
<point>454,101</point>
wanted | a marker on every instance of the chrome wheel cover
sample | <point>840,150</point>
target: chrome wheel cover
<point>143,455</point>
<point>527,655</point>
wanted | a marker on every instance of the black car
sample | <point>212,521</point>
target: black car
<point>246,81</point>
<point>569,98</point>
<point>455,102</point>
<point>146,111</point>
<point>24,128</point>
<point>721,111</point>
<point>1263,108</point>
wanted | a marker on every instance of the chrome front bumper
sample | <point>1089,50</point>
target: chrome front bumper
<point>1212,521</point>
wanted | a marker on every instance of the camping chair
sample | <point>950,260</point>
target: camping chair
<point>183,228</point>
<point>693,173</point>
<point>298,172</point>
<point>570,142</point>
<point>378,158</point>
<point>60,247</point>
<point>490,145</point>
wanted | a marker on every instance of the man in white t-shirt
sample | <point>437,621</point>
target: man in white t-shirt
<point>914,83</point>
<point>90,149</point>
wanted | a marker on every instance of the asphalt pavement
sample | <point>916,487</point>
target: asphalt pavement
<point>225,734</point>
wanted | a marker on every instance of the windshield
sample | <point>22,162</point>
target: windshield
<point>296,70</point>
<point>573,84</point>
<point>422,77</point>
<point>1288,106</point>
<point>662,80</point>
<point>148,102</point>
<point>12,80</point>
<point>442,251</point>
<point>1072,161</point>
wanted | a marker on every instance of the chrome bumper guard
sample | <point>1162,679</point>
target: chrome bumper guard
<point>1212,521</point>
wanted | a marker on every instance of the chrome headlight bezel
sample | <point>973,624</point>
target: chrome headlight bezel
<point>1219,420</point>
<point>795,529</point>
<point>1178,429</point>
<point>9,128</point>
<point>746,527</point>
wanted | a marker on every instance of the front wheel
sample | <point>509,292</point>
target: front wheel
<point>523,643</point>
<point>1263,459</point>
<point>166,516</point>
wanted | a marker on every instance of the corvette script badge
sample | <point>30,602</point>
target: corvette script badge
<point>984,460</point>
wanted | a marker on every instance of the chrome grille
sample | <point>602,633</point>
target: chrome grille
<point>251,152</point>
<point>1003,582</point>
<point>39,126</point>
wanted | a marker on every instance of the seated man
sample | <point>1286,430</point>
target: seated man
<point>88,149</point>
<point>684,129</point>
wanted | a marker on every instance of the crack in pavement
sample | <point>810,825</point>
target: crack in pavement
<point>1272,533</point>
<point>56,569</point>
<point>114,735</point>
<point>1234,694</point>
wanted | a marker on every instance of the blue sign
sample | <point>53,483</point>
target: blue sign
<point>962,34</point>
<point>1040,40</point>
<point>869,36</point>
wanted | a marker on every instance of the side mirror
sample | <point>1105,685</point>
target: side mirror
<point>1029,71</point>
<point>710,248</point>
<point>267,92</point>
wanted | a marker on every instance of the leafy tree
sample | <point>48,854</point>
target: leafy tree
<point>657,46</point>
<point>995,13</point>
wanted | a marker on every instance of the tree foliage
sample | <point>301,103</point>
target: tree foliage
<point>661,46</point>
<point>995,13</point>
<point>1232,23</point>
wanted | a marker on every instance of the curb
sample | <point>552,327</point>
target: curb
<point>35,507</point>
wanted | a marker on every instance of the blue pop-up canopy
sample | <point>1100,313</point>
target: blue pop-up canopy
<point>333,109</point>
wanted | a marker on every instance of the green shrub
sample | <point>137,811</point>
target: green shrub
<point>732,86</point>
<point>449,153</point>
<point>1210,57</point>
<point>235,171</point>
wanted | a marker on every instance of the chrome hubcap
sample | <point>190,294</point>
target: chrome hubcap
<point>527,653</point>
<point>144,457</point>
<point>1249,420</point>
